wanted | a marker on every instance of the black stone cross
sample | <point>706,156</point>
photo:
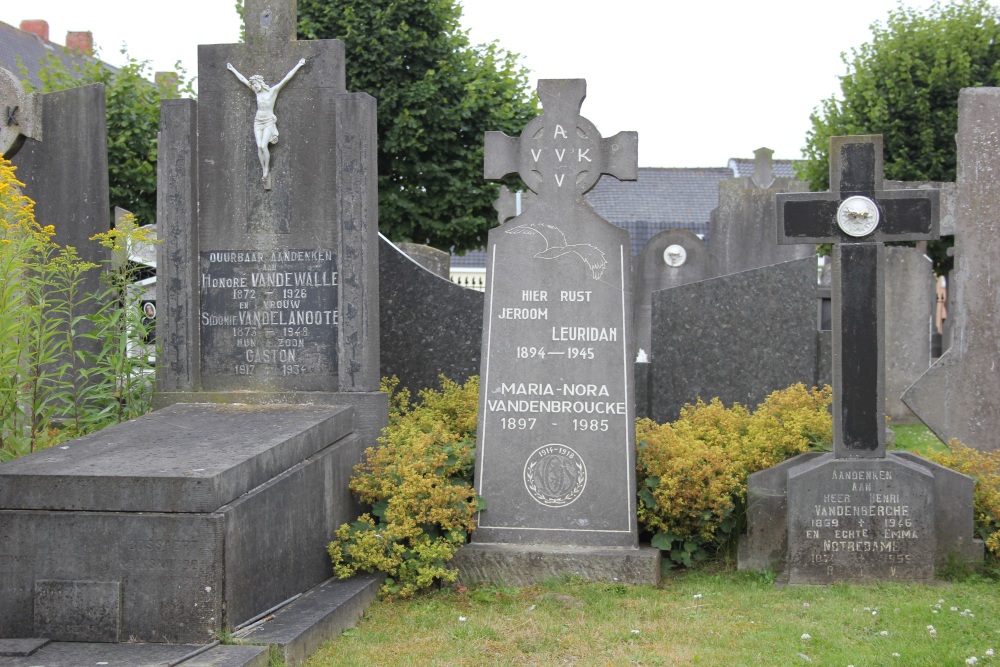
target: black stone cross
<point>857,216</point>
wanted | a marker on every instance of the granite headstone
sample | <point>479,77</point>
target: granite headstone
<point>959,396</point>
<point>555,450</point>
<point>737,337</point>
<point>430,326</point>
<point>857,514</point>
<point>739,229</point>
<point>671,258</point>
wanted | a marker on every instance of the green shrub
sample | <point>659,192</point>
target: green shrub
<point>984,468</point>
<point>692,474</point>
<point>419,483</point>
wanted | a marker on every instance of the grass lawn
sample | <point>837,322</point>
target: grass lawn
<point>917,438</point>
<point>692,618</point>
<point>712,615</point>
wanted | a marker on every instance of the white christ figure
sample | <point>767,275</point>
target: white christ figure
<point>265,123</point>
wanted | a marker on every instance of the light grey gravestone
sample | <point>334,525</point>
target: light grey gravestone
<point>671,258</point>
<point>959,396</point>
<point>737,337</point>
<point>857,514</point>
<point>739,229</point>
<point>910,300</point>
<point>268,376</point>
<point>555,450</point>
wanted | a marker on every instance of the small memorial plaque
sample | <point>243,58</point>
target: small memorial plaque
<point>860,520</point>
<point>269,315</point>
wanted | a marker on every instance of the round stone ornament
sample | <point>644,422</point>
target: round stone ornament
<point>857,216</point>
<point>675,255</point>
<point>555,475</point>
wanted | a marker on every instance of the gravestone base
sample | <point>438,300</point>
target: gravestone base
<point>176,525</point>
<point>525,565</point>
<point>822,520</point>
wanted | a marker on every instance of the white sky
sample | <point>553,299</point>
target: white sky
<point>700,81</point>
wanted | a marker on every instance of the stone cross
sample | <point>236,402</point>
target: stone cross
<point>560,154</point>
<point>858,216</point>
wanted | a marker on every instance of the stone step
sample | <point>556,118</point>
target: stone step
<point>297,630</point>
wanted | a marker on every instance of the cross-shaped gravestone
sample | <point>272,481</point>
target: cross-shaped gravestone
<point>555,451</point>
<point>857,216</point>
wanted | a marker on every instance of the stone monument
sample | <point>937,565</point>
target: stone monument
<point>555,451</point>
<point>858,514</point>
<point>219,505</point>
<point>739,236</point>
<point>959,396</point>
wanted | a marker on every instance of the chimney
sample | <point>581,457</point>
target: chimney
<point>80,41</point>
<point>36,27</point>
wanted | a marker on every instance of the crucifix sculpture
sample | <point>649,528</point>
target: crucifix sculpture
<point>265,123</point>
<point>857,216</point>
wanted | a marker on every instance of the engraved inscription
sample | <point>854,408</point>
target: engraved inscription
<point>269,313</point>
<point>866,520</point>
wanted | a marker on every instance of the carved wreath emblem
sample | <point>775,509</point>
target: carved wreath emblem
<point>857,216</point>
<point>555,475</point>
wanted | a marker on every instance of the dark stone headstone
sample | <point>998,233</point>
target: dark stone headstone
<point>959,396</point>
<point>738,337</point>
<point>430,326</point>
<point>739,231</point>
<point>555,451</point>
<point>58,143</point>
<point>671,258</point>
<point>858,514</point>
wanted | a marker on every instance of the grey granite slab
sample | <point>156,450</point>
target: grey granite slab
<point>738,337</point>
<point>185,458</point>
<point>430,326</point>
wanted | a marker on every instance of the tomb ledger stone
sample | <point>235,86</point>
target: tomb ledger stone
<point>555,454</point>
<point>857,514</point>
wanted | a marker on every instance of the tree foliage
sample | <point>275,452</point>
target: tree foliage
<point>904,85</point>
<point>437,94</point>
<point>133,120</point>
